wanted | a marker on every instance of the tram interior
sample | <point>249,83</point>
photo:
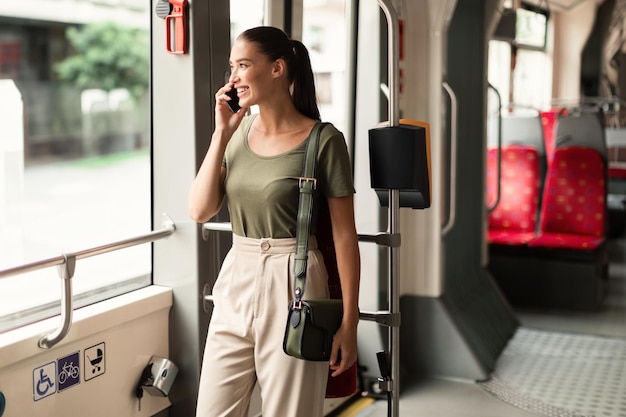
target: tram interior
<point>512,267</point>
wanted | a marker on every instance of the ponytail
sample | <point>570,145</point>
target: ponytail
<point>275,43</point>
<point>304,97</point>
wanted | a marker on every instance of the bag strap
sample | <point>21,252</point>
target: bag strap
<point>307,184</point>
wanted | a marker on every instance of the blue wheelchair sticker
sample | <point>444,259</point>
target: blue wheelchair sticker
<point>44,381</point>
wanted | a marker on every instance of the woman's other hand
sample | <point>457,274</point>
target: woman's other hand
<point>345,341</point>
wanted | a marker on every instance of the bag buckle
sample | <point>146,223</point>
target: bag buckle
<point>302,180</point>
<point>296,305</point>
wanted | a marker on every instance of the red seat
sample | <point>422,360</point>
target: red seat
<point>617,172</point>
<point>573,211</point>
<point>514,219</point>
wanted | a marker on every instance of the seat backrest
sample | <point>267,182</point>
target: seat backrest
<point>574,196</point>
<point>519,188</point>
<point>583,129</point>
<point>549,120</point>
<point>519,128</point>
<point>524,127</point>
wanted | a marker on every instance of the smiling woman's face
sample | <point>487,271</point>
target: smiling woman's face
<point>253,74</point>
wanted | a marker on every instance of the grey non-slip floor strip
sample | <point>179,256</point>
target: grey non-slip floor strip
<point>498,388</point>
<point>562,375</point>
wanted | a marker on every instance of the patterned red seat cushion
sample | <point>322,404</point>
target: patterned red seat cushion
<point>514,219</point>
<point>566,241</point>
<point>505,237</point>
<point>574,203</point>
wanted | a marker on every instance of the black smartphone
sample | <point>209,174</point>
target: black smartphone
<point>233,103</point>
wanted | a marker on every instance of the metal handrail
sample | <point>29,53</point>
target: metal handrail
<point>499,188</point>
<point>391,383</point>
<point>66,264</point>
<point>453,158</point>
<point>393,56</point>
<point>384,317</point>
<point>381,239</point>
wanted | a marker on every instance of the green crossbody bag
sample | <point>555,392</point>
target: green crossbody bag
<point>311,324</point>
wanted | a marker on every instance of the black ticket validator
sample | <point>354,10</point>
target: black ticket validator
<point>400,160</point>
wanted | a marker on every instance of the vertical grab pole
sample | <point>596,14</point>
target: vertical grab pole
<point>393,46</point>
<point>394,203</point>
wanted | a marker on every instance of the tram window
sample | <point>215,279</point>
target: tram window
<point>528,86</point>
<point>531,86</point>
<point>531,27</point>
<point>74,153</point>
<point>518,67</point>
<point>523,26</point>
<point>499,70</point>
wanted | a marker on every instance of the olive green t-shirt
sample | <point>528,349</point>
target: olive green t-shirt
<point>262,191</point>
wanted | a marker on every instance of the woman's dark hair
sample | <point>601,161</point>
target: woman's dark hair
<point>275,44</point>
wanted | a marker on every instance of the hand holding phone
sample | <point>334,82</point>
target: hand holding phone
<point>233,103</point>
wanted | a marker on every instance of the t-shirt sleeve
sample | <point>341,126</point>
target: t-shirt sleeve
<point>334,166</point>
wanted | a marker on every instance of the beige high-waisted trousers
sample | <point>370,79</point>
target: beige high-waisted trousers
<point>244,343</point>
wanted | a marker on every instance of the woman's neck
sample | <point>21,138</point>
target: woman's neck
<point>274,132</point>
<point>278,117</point>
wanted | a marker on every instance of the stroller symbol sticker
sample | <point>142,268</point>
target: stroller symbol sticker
<point>94,361</point>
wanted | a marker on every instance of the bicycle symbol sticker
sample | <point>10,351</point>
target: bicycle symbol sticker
<point>68,369</point>
<point>44,381</point>
<point>94,361</point>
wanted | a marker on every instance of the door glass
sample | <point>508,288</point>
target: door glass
<point>325,33</point>
<point>245,14</point>
<point>324,23</point>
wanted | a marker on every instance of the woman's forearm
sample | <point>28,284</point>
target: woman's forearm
<point>348,265</point>
<point>207,190</point>
<point>348,256</point>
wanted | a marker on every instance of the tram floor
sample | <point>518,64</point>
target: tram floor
<point>449,398</point>
<point>439,398</point>
<point>609,321</point>
<point>540,373</point>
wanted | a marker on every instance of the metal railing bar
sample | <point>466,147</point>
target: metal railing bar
<point>391,240</point>
<point>168,228</point>
<point>381,239</point>
<point>219,226</point>
<point>385,318</point>
<point>66,265</point>
<point>215,227</point>
<point>66,272</point>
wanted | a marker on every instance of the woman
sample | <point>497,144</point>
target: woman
<point>255,161</point>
